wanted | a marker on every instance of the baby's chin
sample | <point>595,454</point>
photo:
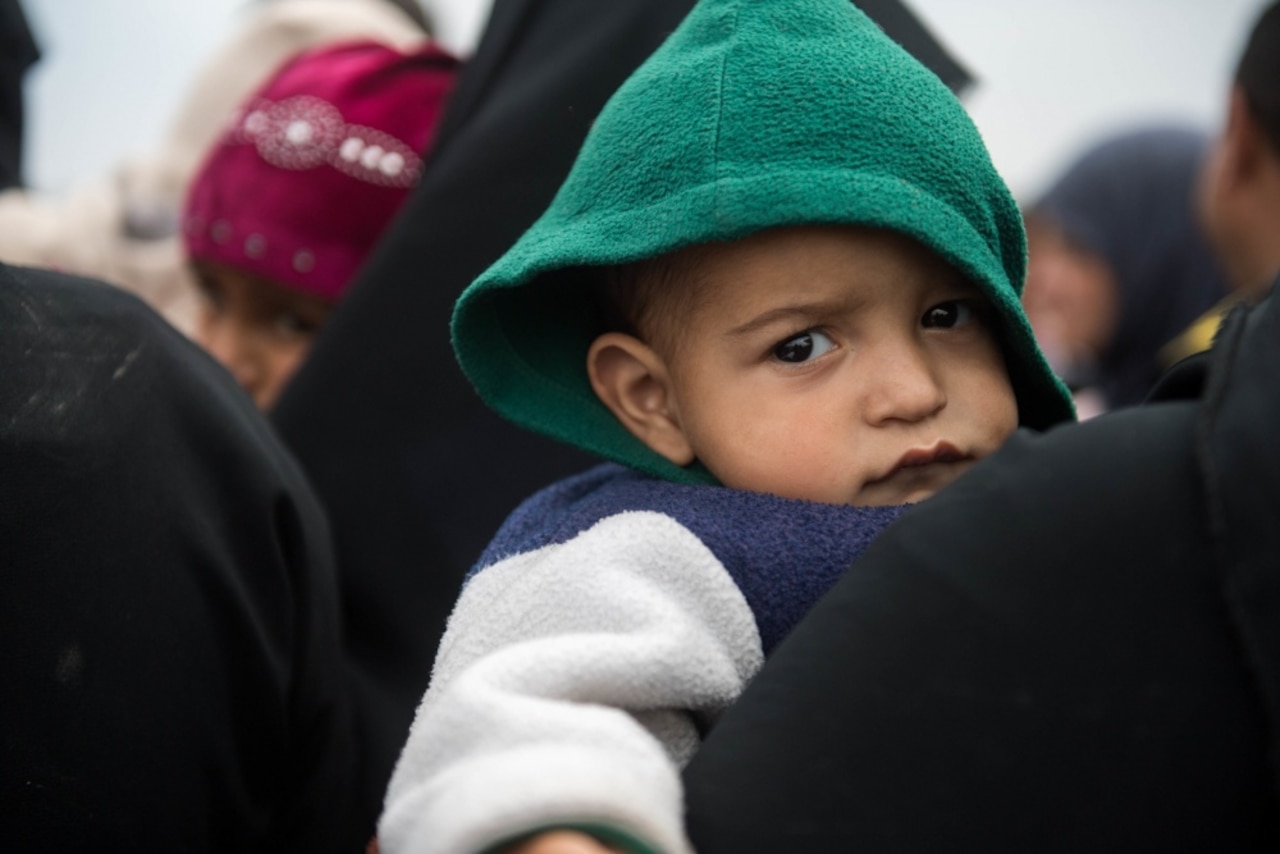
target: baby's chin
<point>906,486</point>
<point>911,485</point>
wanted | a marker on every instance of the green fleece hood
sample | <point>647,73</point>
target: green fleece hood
<point>753,114</point>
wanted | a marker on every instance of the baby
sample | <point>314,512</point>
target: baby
<point>297,191</point>
<point>779,290</point>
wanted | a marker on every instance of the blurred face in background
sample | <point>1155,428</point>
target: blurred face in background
<point>260,331</point>
<point>1237,199</point>
<point>1070,298</point>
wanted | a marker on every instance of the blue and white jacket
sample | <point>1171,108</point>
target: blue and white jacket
<point>608,624</point>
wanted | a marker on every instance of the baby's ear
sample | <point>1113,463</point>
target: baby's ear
<point>631,379</point>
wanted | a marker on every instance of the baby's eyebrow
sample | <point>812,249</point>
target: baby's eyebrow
<point>807,312</point>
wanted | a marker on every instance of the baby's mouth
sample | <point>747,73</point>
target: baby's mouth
<point>924,456</point>
<point>918,473</point>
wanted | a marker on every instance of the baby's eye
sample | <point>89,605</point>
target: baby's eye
<point>950,314</point>
<point>212,294</point>
<point>289,324</point>
<point>803,347</point>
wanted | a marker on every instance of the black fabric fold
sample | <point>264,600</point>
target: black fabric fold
<point>1073,648</point>
<point>172,676</point>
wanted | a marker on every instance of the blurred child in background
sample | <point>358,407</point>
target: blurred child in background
<point>296,192</point>
<point>124,226</point>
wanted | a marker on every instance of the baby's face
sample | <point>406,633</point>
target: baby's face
<point>260,331</point>
<point>840,365</point>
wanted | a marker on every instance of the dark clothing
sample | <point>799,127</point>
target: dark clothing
<point>1076,647</point>
<point>18,52</point>
<point>168,609</point>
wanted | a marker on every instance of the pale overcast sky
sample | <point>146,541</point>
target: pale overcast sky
<point>1053,75</point>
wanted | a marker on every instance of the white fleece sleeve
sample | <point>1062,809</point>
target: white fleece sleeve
<point>563,688</point>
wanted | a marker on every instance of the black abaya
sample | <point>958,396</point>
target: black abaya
<point>168,608</point>
<point>1073,648</point>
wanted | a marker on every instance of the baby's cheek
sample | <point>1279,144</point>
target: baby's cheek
<point>1004,420</point>
<point>994,395</point>
<point>804,467</point>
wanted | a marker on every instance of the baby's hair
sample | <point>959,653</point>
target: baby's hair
<point>649,298</point>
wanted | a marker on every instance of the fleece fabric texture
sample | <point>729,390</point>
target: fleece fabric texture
<point>753,114</point>
<point>781,553</point>
<point>612,621</point>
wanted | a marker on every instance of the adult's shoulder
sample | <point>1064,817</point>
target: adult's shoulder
<point>1042,654</point>
<point>82,358</point>
<point>168,605</point>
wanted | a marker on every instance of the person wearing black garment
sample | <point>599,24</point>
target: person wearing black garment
<point>171,676</point>
<point>18,52</point>
<point>415,472</point>
<point>1119,266</point>
<point>1239,196</point>
<point>1074,648</point>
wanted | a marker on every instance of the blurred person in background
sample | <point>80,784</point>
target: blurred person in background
<point>296,193</point>
<point>124,228</point>
<point>1119,265</point>
<point>173,676</point>
<point>1238,192</point>
<point>1239,198</point>
<point>18,52</point>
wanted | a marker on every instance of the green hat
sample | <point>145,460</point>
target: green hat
<point>753,114</point>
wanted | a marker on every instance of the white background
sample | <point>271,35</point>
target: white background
<point>1053,75</point>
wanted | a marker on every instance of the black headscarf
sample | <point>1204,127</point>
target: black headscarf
<point>18,52</point>
<point>1130,202</point>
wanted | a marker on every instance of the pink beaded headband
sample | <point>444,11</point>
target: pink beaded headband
<point>314,165</point>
